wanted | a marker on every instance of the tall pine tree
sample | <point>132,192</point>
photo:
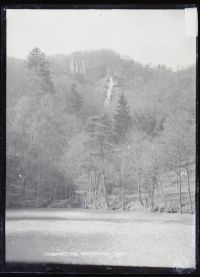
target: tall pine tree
<point>123,124</point>
<point>34,60</point>
<point>122,120</point>
<point>38,62</point>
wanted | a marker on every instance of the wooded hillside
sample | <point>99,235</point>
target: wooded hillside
<point>96,130</point>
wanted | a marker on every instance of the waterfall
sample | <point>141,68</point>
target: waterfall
<point>109,91</point>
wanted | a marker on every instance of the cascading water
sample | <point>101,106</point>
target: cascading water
<point>109,91</point>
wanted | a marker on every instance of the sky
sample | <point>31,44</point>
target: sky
<point>166,37</point>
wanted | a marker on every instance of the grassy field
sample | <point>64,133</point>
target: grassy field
<point>100,237</point>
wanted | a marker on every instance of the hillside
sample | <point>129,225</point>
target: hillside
<point>52,104</point>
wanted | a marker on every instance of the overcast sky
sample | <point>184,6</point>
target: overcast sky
<point>147,36</point>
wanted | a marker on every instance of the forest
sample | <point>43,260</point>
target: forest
<point>96,130</point>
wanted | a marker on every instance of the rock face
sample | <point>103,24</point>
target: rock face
<point>83,62</point>
<point>78,65</point>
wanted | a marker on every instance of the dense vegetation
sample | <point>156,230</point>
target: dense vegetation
<point>66,146</point>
